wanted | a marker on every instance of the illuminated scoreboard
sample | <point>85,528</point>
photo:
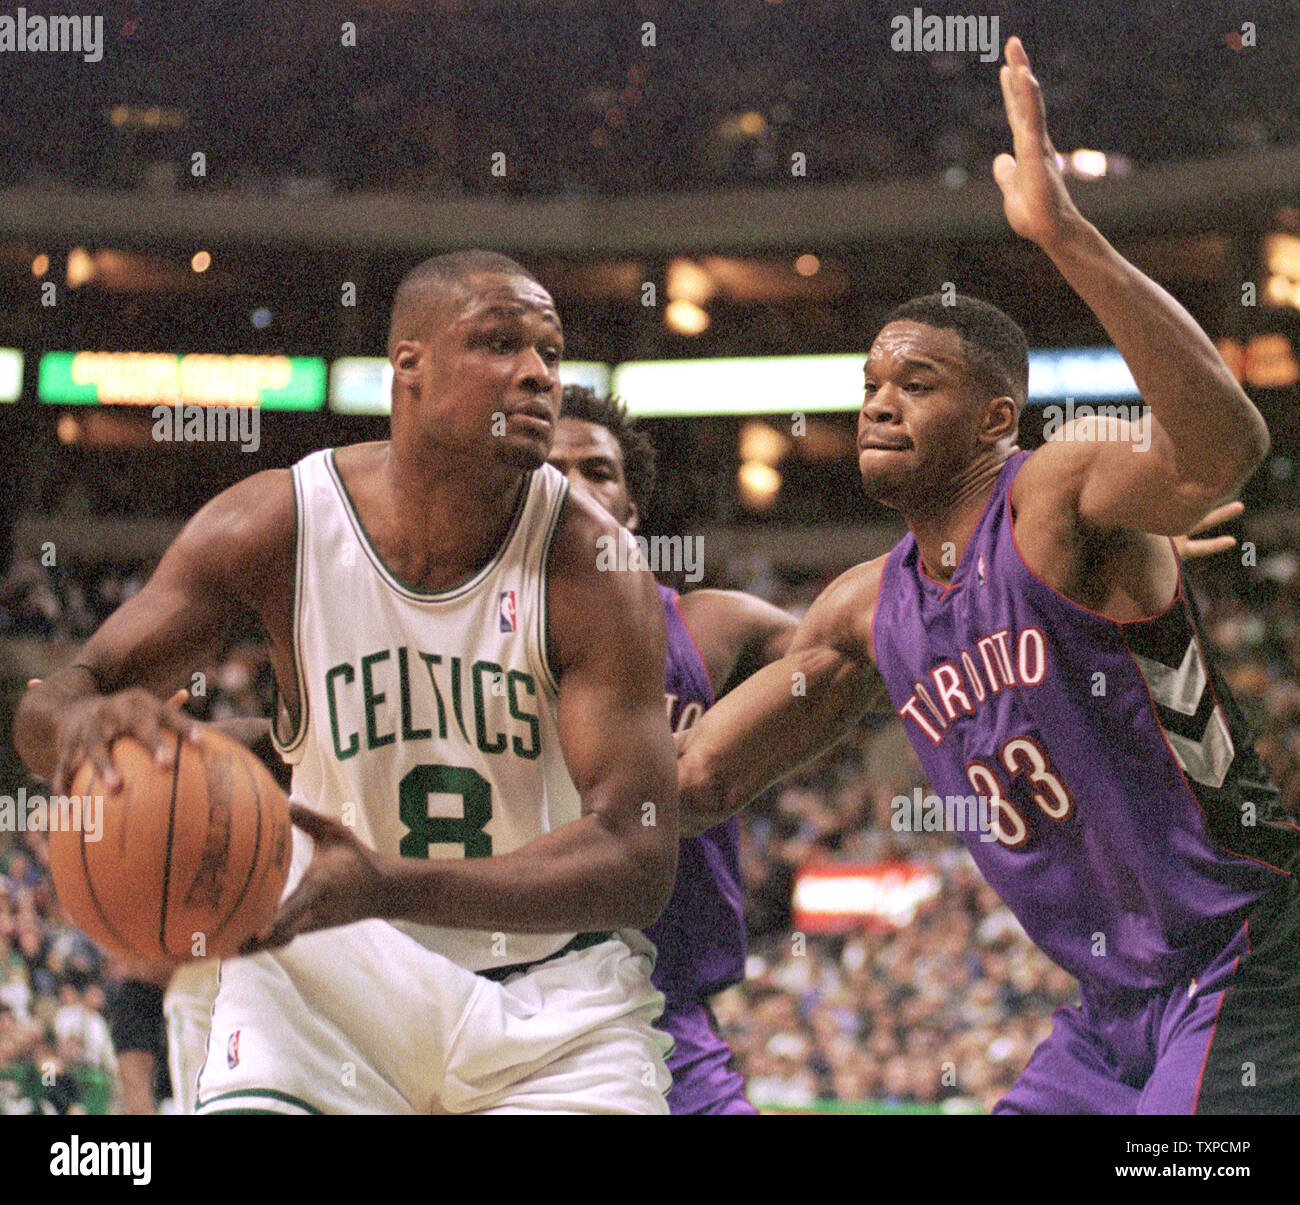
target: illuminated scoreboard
<point>111,378</point>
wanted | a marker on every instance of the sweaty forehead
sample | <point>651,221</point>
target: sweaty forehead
<point>578,439</point>
<point>901,341</point>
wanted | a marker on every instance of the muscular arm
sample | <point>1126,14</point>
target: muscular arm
<point>1205,437</point>
<point>614,866</point>
<point>233,556</point>
<point>789,712</point>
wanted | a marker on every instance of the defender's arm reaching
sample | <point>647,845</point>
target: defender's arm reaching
<point>789,712</point>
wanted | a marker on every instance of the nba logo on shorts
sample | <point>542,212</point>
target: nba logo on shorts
<point>507,609</point>
<point>232,1050</point>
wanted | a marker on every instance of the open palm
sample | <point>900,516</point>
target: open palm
<point>1034,196</point>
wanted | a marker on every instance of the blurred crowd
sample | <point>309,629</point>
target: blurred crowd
<point>56,1053</point>
<point>620,98</point>
<point>941,1014</point>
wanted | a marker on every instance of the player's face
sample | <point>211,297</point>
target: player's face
<point>590,457</point>
<point>919,417</point>
<point>488,371</point>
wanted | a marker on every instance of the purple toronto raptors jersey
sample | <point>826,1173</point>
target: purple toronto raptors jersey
<point>1131,822</point>
<point>701,934</point>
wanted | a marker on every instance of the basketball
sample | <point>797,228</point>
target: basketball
<point>182,862</point>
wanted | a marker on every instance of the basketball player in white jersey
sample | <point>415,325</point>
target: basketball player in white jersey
<point>475,719</point>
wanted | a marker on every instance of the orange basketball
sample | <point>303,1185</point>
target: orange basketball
<point>189,860</point>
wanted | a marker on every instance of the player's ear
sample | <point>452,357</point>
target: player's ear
<point>406,359</point>
<point>1001,420</point>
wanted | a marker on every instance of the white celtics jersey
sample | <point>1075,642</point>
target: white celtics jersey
<point>428,720</point>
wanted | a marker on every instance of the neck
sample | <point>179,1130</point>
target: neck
<point>943,525</point>
<point>445,515</point>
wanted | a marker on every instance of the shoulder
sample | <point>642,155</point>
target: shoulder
<point>256,512</point>
<point>852,590</point>
<point>587,543</point>
<point>1053,476</point>
<point>841,616</point>
<point>598,588</point>
<point>246,530</point>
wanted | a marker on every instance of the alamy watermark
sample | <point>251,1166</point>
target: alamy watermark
<point>30,33</point>
<point>208,424</point>
<point>659,554</point>
<point>1109,424</point>
<point>25,813</point>
<point>920,813</point>
<point>952,34</point>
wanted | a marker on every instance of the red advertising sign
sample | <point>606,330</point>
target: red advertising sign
<point>834,897</point>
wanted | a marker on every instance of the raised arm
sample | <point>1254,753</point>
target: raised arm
<point>233,557</point>
<point>612,867</point>
<point>790,711</point>
<point>1206,438</point>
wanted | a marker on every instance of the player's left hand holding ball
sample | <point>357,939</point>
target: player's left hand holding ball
<point>340,885</point>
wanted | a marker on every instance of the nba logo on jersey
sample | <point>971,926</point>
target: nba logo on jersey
<point>232,1050</point>
<point>506,606</point>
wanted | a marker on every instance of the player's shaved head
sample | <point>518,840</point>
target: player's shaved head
<point>431,281</point>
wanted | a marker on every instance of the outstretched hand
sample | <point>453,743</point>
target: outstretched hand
<point>341,884</point>
<point>1034,196</point>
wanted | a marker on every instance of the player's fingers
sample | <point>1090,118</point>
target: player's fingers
<point>69,759</point>
<point>150,732</point>
<point>1026,110</point>
<point>321,829</point>
<point>182,724</point>
<point>295,914</point>
<point>1009,102</point>
<point>1004,171</point>
<point>1209,546</point>
<point>100,756</point>
<point>283,927</point>
<point>180,698</point>
<point>33,682</point>
<point>1220,514</point>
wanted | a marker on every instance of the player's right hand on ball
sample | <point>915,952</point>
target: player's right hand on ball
<point>342,884</point>
<point>90,726</point>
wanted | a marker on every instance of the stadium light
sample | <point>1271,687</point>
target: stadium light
<point>759,484</point>
<point>685,317</point>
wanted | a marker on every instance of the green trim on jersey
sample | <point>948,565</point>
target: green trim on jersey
<point>543,650</point>
<point>259,1093</point>
<point>299,733</point>
<point>452,592</point>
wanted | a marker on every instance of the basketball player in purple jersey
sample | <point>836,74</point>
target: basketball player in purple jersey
<point>715,639</point>
<point>1033,633</point>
